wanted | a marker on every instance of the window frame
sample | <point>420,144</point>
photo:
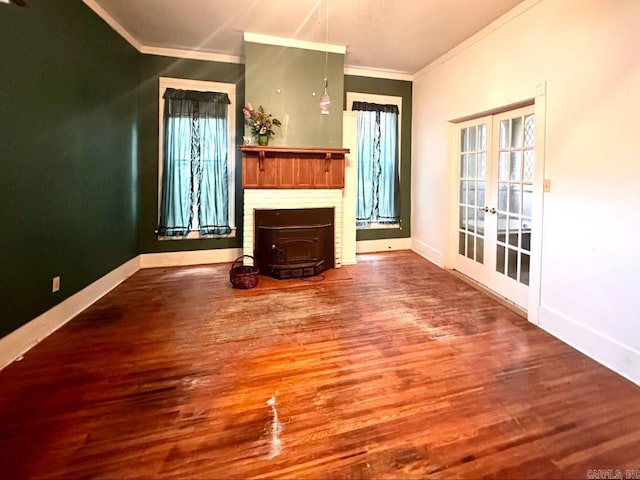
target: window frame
<point>203,86</point>
<point>383,100</point>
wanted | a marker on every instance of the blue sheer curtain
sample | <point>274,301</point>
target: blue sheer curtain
<point>378,181</point>
<point>389,179</point>
<point>175,205</point>
<point>366,167</point>
<point>213,210</point>
<point>194,173</point>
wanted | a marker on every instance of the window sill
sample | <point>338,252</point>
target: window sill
<point>381,226</point>
<point>195,235</point>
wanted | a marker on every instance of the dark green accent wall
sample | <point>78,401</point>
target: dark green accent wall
<point>79,149</point>
<point>68,119</point>
<point>396,88</point>
<point>297,73</point>
<point>152,68</point>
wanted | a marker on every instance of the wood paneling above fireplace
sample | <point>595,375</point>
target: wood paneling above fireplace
<point>292,167</point>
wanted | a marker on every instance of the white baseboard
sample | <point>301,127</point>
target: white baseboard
<point>383,245</point>
<point>611,353</point>
<point>428,252</point>
<point>191,257</point>
<point>18,342</point>
<point>21,340</point>
<point>533,312</point>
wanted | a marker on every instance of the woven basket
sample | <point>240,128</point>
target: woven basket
<point>243,276</point>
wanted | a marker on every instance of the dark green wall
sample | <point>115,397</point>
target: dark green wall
<point>152,68</point>
<point>79,148</point>
<point>68,116</point>
<point>396,88</point>
<point>284,79</point>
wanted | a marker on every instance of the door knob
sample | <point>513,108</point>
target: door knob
<point>493,210</point>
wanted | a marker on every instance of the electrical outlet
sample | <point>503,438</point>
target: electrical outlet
<point>55,285</point>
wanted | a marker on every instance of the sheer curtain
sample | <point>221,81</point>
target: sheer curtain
<point>378,181</point>
<point>213,210</point>
<point>175,206</point>
<point>194,169</point>
<point>389,179</point>
<point>366,167</point>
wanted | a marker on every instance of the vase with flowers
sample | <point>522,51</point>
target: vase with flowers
<point>261,123</point>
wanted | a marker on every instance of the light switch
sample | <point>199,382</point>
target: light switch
<point>547,185</point>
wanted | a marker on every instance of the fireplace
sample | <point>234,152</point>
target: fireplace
<point>297,178</point>
<point>294,243</point>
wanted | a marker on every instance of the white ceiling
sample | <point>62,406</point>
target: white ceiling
<point>393,35</point>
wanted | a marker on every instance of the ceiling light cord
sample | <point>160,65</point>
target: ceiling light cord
<point>325,102</point>
<point>326,47</point>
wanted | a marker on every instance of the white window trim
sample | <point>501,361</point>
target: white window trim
<point>203,86</point>
<point>383,100</point>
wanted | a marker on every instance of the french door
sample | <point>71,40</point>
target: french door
<point>496,164</point>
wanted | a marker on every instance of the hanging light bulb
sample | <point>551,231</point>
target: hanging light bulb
<point>325,101</point>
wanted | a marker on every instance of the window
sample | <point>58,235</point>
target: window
<point>196,159</point>
<point>378,162</point>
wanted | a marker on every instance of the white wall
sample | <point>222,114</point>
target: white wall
<point>588,53</point>
<point>350,141</point>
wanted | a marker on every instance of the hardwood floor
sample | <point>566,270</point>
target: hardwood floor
<point>404,371</point>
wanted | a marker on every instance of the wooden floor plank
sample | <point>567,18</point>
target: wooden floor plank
<point>401,371</point>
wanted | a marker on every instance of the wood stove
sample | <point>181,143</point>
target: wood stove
<point>293,243</point>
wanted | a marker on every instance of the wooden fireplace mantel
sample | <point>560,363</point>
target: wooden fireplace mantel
<point>292,167</point>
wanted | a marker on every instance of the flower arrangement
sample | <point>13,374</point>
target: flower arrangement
<point>261,123</point>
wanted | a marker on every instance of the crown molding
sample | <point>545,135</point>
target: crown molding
<point>290,42</point>
<point>375,73</point>
<point>249,37</point>
<point>113,23</point>
<point>191,54</point>
<point>149,50</point>
<point>485,32</point>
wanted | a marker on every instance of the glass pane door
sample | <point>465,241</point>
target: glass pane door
<point>471,200</point>
<point>495,183</point>
<point>516,161</point>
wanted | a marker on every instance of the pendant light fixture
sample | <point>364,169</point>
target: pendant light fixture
<point>325,101</point>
